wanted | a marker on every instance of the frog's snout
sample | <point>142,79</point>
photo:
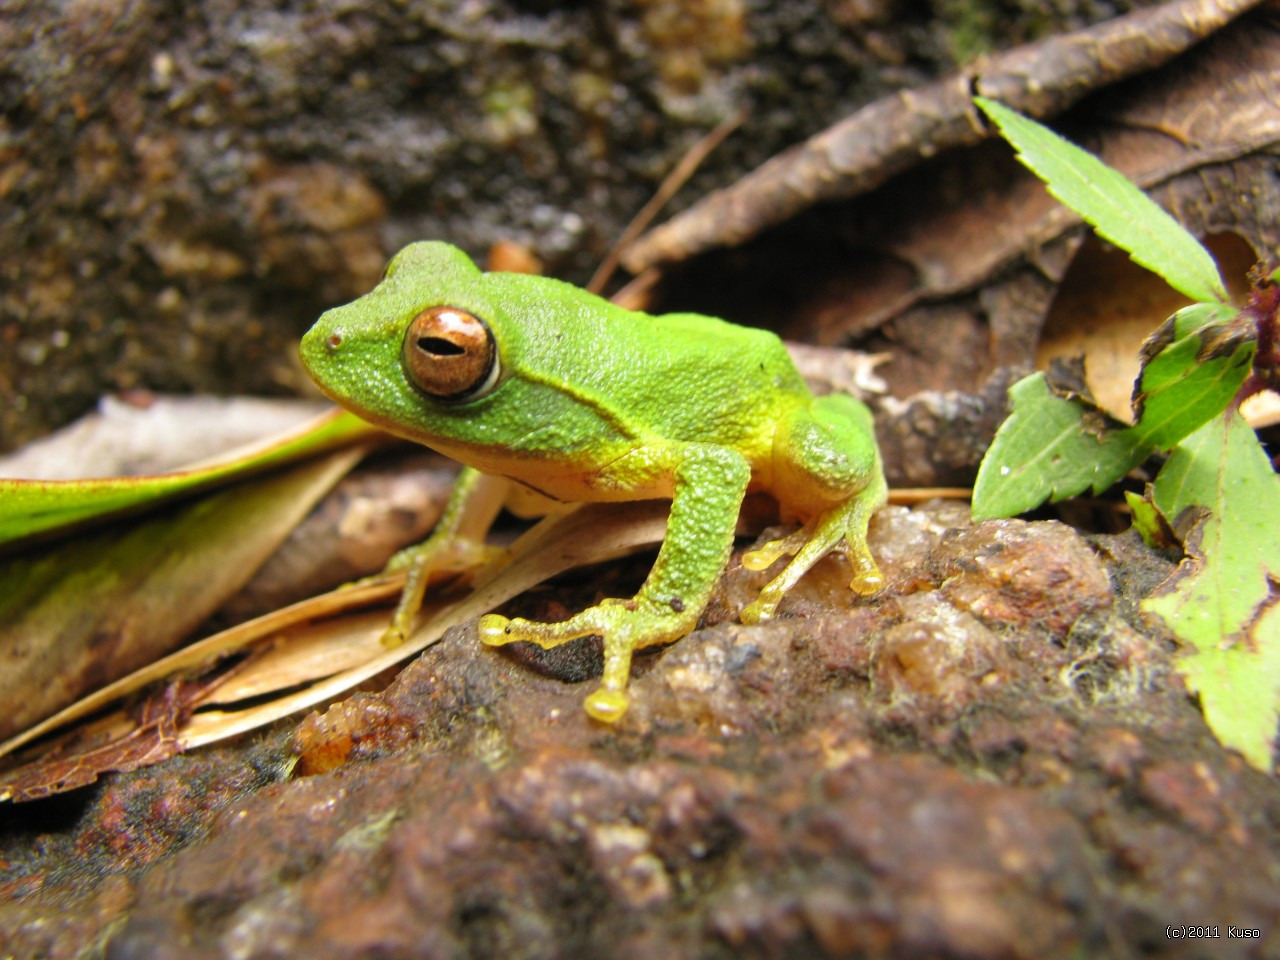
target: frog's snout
<point>318,345</point>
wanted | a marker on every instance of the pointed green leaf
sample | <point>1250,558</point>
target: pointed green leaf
<point>80,612</point>
<point>1117,209</point>
<point>1197,316</point>
<point>1221,603</point>
<point>1148,521</point>
<point>1045,451</point>
<point>1191,381</point>
<point>30,507</point>
<point>1239,690</point>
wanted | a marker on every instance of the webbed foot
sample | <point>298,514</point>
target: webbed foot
<point>625,625</point>
<point>843,528</point>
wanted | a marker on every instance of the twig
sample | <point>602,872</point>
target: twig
<point>666,190</point>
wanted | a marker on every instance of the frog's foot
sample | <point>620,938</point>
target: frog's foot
<point>419,562</point>
<point>768,553</point>
<point>625,625</point>
<point>842,528</point>
<point>417,565</point>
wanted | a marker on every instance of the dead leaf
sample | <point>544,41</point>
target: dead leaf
<point>1107,306</point>
<point>152,739</point>
<point>79,613</point>
<point>300,660</point>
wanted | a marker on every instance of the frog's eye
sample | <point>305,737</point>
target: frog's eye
<point>449,354</point>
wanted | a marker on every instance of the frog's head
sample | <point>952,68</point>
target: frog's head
<point>419,334</point>
<point>444,354</point>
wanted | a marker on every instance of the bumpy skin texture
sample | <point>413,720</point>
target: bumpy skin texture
<point>591,402</point>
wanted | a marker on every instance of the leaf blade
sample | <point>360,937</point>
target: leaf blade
<point>32,507</point>
<point>1044,451</point>
<point>1190,382</point>
<point>1220,603</point>
<point>1109,202</point>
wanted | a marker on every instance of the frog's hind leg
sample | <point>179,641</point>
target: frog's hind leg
<point>827,448</point>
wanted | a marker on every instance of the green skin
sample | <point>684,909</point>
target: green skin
<point>597,403</point>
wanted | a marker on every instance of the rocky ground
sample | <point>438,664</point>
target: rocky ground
<point>992,759</point>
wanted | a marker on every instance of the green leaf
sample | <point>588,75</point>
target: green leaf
<point>1047,450</point>
<point>1149,521</point>
<point>1220,603</point>
<point>1191,381</point>
<point>1195,317</point>
<point>31,507</point>
<point>1116,208</point>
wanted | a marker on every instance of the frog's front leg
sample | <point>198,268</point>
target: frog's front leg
<point>710,482</point>
<point>456,540</point>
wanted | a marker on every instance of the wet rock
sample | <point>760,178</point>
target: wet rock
<point>1011,572</point>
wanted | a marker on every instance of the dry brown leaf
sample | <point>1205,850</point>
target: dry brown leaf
<point>316,661</point>
<point>149,738</point>
<point>1106,308</point>
<point>81,612</point>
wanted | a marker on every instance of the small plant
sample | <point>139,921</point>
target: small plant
<point>1216,494</point>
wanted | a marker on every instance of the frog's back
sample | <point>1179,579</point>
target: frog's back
<point>718,379</point>
<point>678,376</point>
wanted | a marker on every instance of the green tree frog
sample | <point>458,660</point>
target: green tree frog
<point>532,380</point>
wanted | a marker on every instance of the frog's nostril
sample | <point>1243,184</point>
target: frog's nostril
<point>333,341</point>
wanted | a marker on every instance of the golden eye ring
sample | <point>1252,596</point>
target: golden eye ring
<point>449,354</point>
